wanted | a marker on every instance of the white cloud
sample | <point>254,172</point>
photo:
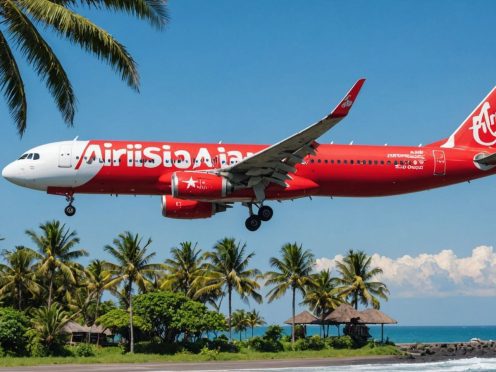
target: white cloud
<point>440,274</point>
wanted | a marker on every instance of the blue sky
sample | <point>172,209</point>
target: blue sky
<point>258,71</point>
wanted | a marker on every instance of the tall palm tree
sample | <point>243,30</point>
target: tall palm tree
<point>227,270</point>
<point>133,266</point>
<point>19,20</point>
<point>98,279</point>
<point>292,271</point>
<point>240,321</point>
<point>254,319</point>
<point>357,280</point>
<point>17,277</point>
<point>56,246</point>
<point>322,295</point>
<point>185,265</point>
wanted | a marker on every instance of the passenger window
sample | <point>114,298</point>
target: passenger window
<point>326,161</point>
<point>395,162</point>
<point>339,161</point>
<point>332,161</point>
<point>320,161</point>
<point>370,162</point>
<point>312,161</point>
<point>382,162</point>
<point>345,161</point>
<point>376,162</point>
<point>389,162</point>
<point>351,161</point>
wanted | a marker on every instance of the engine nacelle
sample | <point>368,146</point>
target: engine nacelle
<point>189,209</point>
<point>197,185</point>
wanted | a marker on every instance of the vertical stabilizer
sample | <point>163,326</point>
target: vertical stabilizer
<point>479,129</point>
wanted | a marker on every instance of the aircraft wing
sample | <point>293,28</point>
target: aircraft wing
<point>272,164</point>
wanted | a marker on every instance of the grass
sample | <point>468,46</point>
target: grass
<point>114,355</point>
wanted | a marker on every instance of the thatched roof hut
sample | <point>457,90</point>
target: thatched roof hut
<point>374,316</point>
<point>344,313</point>
<point>81,333</point>
<point>304,317</point>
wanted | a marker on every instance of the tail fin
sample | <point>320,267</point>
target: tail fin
<point>479,129</point>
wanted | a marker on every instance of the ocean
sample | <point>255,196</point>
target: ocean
<point>405,334</point>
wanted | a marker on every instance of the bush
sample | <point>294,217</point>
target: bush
<point>222,344</point>
<point>299,331</point>
<point>311,343</point>
<point>84,350</point>
<point>210,354</point>
<point>340,342</point>
<point>13,328</point>
<point>149,347</point>
<point>263,344</point>
<point>273,333</point>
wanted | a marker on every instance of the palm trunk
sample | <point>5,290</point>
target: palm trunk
<point>323,325</point>
<point>96,316</point>
<point>252,331</point>
<point>131,329</point>
<point>293,319</point>
<point>20,297</point>
<point>355,300</point>
<point>229,290</point>
<point>50,285</point>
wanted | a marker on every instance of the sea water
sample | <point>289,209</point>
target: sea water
<point>403,334</point>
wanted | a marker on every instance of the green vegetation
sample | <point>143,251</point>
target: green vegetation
<point>114,355</point>
<point>166,311</point>
<point>20,20</point>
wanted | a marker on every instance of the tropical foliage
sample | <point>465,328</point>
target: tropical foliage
<point>291,271</point>
<point>357,280</point>
<point>20,24</point>
<point>168,306</point>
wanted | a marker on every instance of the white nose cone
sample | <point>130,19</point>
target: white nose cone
<point>8,172</point>
<point>12,174</point>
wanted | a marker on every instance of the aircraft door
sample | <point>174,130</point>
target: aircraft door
<point>439,163</point>
<point>65,155</point>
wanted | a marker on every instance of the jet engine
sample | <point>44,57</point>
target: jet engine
<point>189,209</point>
<point>197,185</point>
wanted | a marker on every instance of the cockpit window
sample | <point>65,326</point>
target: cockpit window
<point>36,156</point>
<point>23,156</point>
<point>30,156</point>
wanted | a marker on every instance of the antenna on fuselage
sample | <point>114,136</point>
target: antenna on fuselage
<point>220,142</point>
<point>420,145</point>
<point>351,143</point>
<point>75,138</point>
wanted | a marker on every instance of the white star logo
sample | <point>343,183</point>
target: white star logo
<point>191,183</point>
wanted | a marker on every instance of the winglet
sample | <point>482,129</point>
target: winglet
<point>344,106</point>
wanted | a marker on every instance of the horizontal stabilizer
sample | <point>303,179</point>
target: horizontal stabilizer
<point>487,160</point>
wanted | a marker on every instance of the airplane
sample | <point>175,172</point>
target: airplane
<point>198,180</point>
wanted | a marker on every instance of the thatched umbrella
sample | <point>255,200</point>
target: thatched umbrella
<point>374,316</point>
<point>303,318</point>
<point>344,313</point>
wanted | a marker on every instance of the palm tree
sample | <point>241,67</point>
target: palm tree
<point>98,279</point>
<point>48,323</point>
<point>240,321</point>
<point>19,20</point>
<point>322,295</point>
<point>254,319</point>
<point>183,268</point>
<point>291,272</point>
<point>227,270</point>
<point>356,280</point>
<point>17,277</point>
<point>132,267</point>
<point>56,247</point>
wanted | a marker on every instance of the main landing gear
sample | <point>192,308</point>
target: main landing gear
<point>264,214</point>
<point>70,210</point>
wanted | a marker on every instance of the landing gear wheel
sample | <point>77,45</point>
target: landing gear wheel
<point>70,210</point>
<point>265,213</point>
<point>253,223</point>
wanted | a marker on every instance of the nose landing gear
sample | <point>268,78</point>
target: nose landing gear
<point>70,210</point>
<point>254,221</point>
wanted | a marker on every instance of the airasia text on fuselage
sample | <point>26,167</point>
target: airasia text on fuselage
<point>110,154</point>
